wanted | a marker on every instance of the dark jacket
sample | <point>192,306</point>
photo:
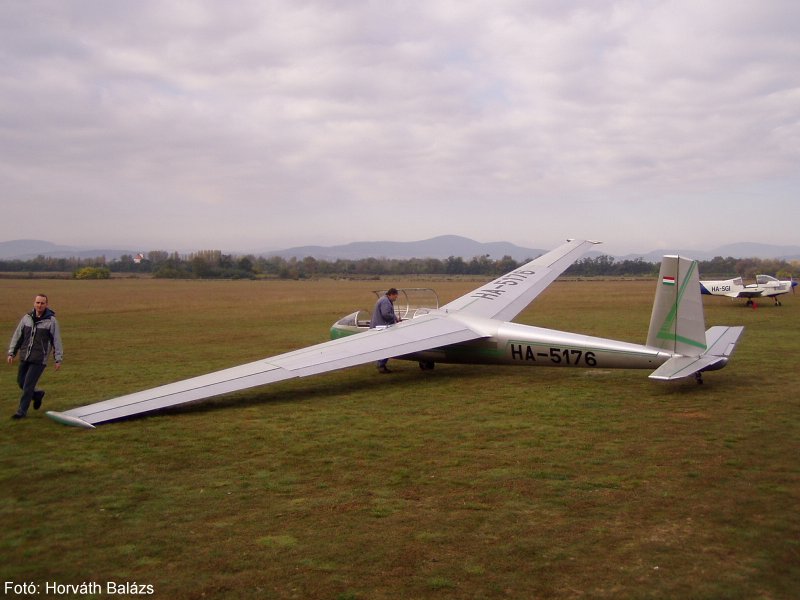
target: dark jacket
<point>34,338</point>
<point>383,313</point>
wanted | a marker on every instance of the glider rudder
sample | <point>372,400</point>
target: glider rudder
<point>677,323</point>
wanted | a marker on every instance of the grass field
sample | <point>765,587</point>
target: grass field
<point>463,482</point>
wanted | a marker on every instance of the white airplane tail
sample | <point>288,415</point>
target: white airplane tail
<point>677,324</point>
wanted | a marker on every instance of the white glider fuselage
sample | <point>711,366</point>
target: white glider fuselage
<point>508,343</point>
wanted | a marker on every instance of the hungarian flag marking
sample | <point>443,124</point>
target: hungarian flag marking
<point>668,280</point>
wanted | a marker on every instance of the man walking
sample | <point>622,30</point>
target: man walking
<point>382,316</point>
<point>36,335</point>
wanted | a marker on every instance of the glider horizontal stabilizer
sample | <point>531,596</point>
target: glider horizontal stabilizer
<point>678,367</point>
<point>720,342</point>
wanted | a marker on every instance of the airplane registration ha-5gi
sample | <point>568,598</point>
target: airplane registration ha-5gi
<point>765,286</point>
<point>473,329</point>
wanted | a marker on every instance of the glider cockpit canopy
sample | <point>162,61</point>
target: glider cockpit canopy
<point>410,303</point>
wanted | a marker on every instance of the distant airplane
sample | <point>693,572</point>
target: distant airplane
<point>764,287</point>
<point>474,329</point>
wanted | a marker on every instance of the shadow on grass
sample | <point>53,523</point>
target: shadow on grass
<point>324,388</point>
<point>364,381</point>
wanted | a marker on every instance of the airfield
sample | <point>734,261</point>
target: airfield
<point>461,482</point>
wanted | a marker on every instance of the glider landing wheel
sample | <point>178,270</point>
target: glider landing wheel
<point>426,365</point>
<point>699,378</point>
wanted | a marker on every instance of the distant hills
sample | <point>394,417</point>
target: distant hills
<point>30,249</point>
<point>445,246</point>
<point>740,250</point>
<point>440,247</point>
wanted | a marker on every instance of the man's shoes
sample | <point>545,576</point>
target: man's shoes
<point>17,416</point>
<point>383,370</point>
<point>37,399</point>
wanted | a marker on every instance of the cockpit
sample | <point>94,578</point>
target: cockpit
<point>410,303</point>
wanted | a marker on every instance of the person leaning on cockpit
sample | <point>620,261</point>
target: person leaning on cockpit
<point>383,315</point>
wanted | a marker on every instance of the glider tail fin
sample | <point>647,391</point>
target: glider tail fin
<point>677,323</point>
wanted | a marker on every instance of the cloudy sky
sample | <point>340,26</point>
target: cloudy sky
<point>255,125</point>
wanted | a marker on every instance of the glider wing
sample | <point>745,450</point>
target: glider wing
<point>507,296</point>
<point>422,333</point>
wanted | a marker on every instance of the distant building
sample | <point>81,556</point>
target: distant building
<point>138,258</point>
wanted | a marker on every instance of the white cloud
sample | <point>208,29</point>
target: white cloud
<point>264,124</point>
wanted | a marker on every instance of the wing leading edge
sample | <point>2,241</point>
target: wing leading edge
<point>422,333</point>
<point>507,296</point>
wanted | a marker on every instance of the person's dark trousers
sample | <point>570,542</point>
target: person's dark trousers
<point>27,376</point>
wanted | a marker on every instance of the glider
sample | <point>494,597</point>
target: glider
<point>765,286</point>
<point>474,328</point>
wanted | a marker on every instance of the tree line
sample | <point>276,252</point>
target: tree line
<point>214,264</point>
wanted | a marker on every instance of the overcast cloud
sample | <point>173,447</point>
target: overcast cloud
<point>260,125</point>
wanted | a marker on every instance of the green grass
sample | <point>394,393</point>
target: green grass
<point>463,482</point>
